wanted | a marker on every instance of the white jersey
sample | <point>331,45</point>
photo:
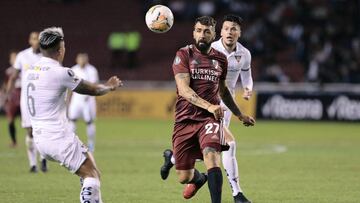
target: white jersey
<point>239,63</point>
<point>23,61</point>
<point>88,73</point>
<point>46,83</point>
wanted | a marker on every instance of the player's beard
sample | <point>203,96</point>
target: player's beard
<point>202,46</point>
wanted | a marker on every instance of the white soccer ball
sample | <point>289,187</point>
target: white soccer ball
<point>159,19</point>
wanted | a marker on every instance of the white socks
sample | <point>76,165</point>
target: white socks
<point>31,151</point>
<point>90,130</point>
<point>172,159</point>
<point>90,191</point>
<point>231,167</point>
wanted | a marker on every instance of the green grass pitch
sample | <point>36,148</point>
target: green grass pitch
<point>280,162</point>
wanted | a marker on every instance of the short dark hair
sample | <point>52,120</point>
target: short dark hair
<point>50,39</point>
<point>206,20</point>
<point>233,18</point>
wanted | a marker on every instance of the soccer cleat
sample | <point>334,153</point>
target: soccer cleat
<point>165,168</point>
<point>191,189</point>
<point>240,198</point>
<point>44,166</point>
<point>33,169</point>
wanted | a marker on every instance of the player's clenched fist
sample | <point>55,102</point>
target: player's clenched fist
<point>217,111</point>
<point>114,82</point>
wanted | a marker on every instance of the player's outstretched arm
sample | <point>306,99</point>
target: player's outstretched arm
<point>94,89</point>
<point>184,89</point>
<point>230,103</point>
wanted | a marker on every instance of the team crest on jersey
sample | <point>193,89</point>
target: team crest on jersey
<point>177,60</point>
<point>215,63</point>
<point>238,58</point>
<point>71,73</point>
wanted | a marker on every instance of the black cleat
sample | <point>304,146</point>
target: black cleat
<point>240,198</point>
<point>165,168</point>
<point>33,169</point>
<point>44,166</point>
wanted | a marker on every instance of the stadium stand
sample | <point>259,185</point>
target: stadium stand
<point>316,41</point>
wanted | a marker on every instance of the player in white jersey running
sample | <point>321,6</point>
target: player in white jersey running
<point>84,106</point>
<point>239,61</point>
<point>23,61</point>
<point>46,86</point>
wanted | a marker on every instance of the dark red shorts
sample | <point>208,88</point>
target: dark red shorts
<point>12,105</point>
<point>190,138</point>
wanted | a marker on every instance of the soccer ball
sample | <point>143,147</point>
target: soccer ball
<point>159,19</point>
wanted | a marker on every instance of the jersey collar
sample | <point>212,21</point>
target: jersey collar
<point>50,60</point>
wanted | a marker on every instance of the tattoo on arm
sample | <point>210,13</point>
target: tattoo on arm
<point>93,89</point>
<point>183,85</point>
<point>194,98</point>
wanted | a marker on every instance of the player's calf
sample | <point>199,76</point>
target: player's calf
<point>90,191</point>
<point>215,179</point>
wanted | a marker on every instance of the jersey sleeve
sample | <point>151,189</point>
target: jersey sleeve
<point>245,73</point>
<point>180,64</point>
<point>68,78</point>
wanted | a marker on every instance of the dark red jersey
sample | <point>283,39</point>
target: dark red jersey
<point>205,72</point>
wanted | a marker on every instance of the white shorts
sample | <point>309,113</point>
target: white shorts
<point>25,116</point>
<point>227,115</point>
<point>83,110</point>
<point>69,151</point>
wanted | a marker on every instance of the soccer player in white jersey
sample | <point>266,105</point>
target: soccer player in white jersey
<point>46,85</point>
<point>239,61</point>
<point>84,106</point>
<point>23,61</point>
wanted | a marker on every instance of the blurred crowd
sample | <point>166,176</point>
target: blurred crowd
<point>290,40</point>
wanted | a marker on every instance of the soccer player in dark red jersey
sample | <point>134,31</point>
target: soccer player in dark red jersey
<point>12,102</point>
<point>200,73</point>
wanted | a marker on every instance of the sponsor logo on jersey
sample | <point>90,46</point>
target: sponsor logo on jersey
<point>215,63</point>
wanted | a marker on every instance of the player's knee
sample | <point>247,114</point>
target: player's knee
<point>210,153</point>
<point>184,177</point>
